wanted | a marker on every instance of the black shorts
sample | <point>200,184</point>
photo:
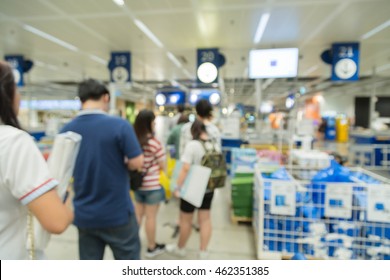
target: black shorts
<point>189,208</point>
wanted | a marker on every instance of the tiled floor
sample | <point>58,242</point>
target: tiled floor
<point>228,242</point>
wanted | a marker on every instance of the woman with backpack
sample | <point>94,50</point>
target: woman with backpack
<point>149,196</point>
<point>193,155</point>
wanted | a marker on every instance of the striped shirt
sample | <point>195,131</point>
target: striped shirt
<point>153,155</point>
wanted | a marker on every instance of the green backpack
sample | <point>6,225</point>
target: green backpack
<point>216,162</point>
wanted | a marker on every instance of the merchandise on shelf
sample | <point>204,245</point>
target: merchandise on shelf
<point>340,214</point>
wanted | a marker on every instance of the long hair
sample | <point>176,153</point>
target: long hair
<point>7,96</point>
<point>143,126</point>
<point>197,129</point>
<point>183,119</point>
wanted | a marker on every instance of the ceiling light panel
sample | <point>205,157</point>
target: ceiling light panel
<point>148,33</point>
<point>262,25</point>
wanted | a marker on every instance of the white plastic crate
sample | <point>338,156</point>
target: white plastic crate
<point>324,220</point>
<point>374,157</point>
<point>312,158</point>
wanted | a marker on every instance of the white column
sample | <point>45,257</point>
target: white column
<point>258,94</point>
<point>258,98</point>
<point>112,89</point>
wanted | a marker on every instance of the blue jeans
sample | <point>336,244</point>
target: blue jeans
<point>150,197</point>
<point>123,241</point>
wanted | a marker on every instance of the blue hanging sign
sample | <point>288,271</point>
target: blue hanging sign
<point>120,67</point>
<point>212,95</point>
<point>345,63</point>
<point>170,98</point>
<point>207,66</point>
<point>16,62</point>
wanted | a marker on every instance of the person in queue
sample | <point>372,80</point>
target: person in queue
<point>104,212</point>
<point>25,182</point>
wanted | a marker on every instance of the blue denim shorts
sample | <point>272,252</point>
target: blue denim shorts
<point>150,197</point>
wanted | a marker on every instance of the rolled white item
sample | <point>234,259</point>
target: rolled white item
<point>61,164</point>
<point>56,154</point>
<point>63,158</point>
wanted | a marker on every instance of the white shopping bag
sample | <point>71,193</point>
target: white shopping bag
<point>195,184</point>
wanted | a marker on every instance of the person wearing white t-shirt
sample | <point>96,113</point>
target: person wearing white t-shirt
<point>204,111</point>
<point>192,155</point>
<point>25,182</point>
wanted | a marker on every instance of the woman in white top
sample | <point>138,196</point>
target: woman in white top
<point>192,155</point>
<point>25,183</point>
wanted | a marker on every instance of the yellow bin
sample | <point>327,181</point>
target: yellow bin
<point>342,129</point>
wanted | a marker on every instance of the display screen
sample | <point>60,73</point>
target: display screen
<point>273,63</point>
<point>212,95</point>
<point>166,98</point>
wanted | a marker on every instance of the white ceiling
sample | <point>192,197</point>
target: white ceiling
<point>97,27</point>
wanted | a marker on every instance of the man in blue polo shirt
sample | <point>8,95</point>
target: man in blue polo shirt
<point>104,213</point>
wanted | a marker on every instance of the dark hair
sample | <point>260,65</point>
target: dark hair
<point>91,89</point>
<point>183,119</point>
<point>7,96</point>
<point>143,126</point>
<point>204,108</point>
<point>180,108</point>
<point>197,129</point>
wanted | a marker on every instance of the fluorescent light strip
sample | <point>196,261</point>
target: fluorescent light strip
<point>50,37</point>
<point>148,33</point>
<point>188,74</point>
<point>376,30</point>
<point>98,59</point>
<point>174,59</point>
<point>383,68</point>
<point>45,65</point>
<point>120,3</point>
<point>261,27</point>
<point>311,69</point>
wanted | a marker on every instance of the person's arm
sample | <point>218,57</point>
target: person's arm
<point>181,178</point>
<point>161,165</point>
<point>35,188</point>
<point>159,153</point>
<point>52,214</point>
<point>187,159</point>
<point>135,163</point>
<point>134,158</point>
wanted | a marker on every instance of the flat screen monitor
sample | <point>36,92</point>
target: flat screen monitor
<point>273,63</point>
<point>170,98</point>
<point>212,95</point>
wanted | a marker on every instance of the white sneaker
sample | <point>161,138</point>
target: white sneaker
<point>173,249</point>
<point>203,255</point>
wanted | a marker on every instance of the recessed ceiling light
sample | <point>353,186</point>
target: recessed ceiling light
<point>119,2</point>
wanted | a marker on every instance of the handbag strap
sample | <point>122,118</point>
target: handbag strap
<point>30,235</point>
